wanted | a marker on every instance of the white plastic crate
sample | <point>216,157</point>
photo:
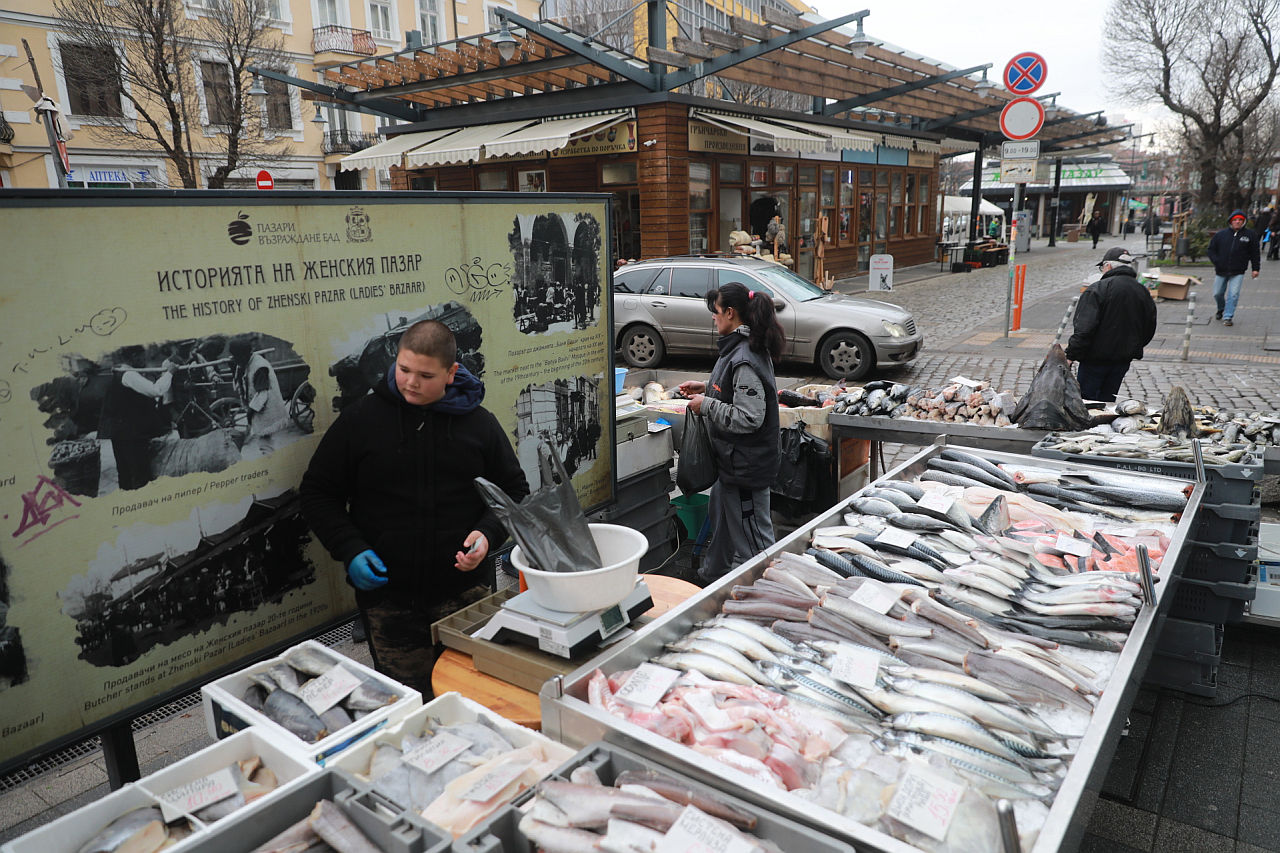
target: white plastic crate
<point>226,713</point>
<point>68,833</point>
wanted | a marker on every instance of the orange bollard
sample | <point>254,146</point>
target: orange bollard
<point>1019,286</point>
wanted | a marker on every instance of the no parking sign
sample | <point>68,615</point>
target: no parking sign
<point>1025,73</point>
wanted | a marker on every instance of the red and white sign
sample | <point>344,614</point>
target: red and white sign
<point>1021,118</point>
<point>265,181</point>
<point>1025,73</point>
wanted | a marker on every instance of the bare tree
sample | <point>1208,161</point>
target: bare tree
<point>154,58</point>
<point>612,23</point>
<point>1213,64</point>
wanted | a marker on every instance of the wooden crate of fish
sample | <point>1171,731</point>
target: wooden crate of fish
<point>584,803</point>
<point>961,626</point>
<point>329,811</point>
<point>280,697</point>
<point>1234,482</point>
<point>427,763</point>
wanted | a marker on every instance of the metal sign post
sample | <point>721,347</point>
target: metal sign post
<point>1020,120</point>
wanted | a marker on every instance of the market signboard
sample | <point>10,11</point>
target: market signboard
<point>617,138</point>
<point>715,140</point>
<point>170,361</point>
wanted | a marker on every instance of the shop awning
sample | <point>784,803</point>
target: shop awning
<point>899,141</point>
<point>840,137</point>
<point>949,144</point>
<point>552,134</point>
<point>388,152</point>
<point>463,146</point>
<point>785,136</point>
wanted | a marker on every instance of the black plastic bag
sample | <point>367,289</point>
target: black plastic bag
<point>805,459</point>
<point>697,469</point>
<point>548,525</point>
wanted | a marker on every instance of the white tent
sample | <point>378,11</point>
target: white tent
<point>961,205</point>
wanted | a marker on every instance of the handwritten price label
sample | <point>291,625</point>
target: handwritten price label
<point>936,502</point>
<point>856,667</point>
<point>897,537</point>
<point>197,794</point>
<point>495,782</point>
<point>437,752</point>
<point>926,801</point>
<point>1069,544</point>
<point>874,595</point>
<point>697,832</point>
<point>329,688</point>
<point>647,685</point>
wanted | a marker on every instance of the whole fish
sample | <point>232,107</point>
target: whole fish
<point>1053,401</point>
<point>744,644</point>
<point>973,472</point>
<point>759,633</point>
<point>949,479</point>
<point>295,715</point>
<point>956,455</point>
<point>722,652</point>
<point>955,728</point>
<point>143,828</point>
<point>685,795</point>
<point>911,490</point>
<point>874,622</point>
<point>711,667</point>
<point>369,695</point>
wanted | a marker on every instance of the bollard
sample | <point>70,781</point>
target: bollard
<point>1186,336</point>
<point>1066,318</point>
<point>1019,288</point>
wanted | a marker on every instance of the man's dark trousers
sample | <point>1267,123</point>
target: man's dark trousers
<point>1101,380</point>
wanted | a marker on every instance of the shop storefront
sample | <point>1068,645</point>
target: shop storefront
<point>1086,184</point>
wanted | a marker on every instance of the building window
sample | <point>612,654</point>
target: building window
<point>217,91</point>
<point>429,21</point>
<point>279,108</point>
<point>380,19</point>
<point>327,13</point>
<point>93,80</point>
<point>619,173</point>
<point>699,207</point>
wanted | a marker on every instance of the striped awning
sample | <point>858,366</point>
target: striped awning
<point>391,151</point>
<point>552,134</point>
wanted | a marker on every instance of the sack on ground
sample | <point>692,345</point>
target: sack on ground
<point>697,469</point>
<point>548,525</point>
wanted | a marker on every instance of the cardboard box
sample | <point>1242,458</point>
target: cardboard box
<point>1175,286</point>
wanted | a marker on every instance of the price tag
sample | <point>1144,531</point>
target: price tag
<point>329,688</point>
<point>697,832</point>
<point>647,685</point>
<point>495,781</point>
<point>926,801</point>
<point>1069,544</point>
<point>197,794</point>
<point>937,502</point>
<point>874,595</point>
<point>703,704</point>
<point>964,380</point>
<point>856,667</point>
<point>897,537</point>
<point>433,754</point>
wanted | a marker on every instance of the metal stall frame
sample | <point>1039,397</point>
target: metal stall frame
<point>567,715</point>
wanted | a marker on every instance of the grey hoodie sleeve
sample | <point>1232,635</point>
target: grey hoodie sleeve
<point>746,413</point>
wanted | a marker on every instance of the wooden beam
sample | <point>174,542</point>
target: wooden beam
<point>667,57</point>
<point>779,18</point>
<point>751,29</point>
<point>724,41</point>
<point>691,48</point>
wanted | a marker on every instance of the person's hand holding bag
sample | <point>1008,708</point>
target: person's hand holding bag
<point>367,571</point>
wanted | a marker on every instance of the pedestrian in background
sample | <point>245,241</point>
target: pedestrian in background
<point>740,401</point>
<point>1095,227</point>
<point>1232,250</point>
<point>1115,318</point>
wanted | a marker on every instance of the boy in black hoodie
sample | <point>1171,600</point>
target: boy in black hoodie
<point>389,493</point>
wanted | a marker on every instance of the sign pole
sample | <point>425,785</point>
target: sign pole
<point>1013,250</point>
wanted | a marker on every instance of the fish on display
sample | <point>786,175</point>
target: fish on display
<point>141,830</point>
<point>1176,417</point>
<point>1053,401</point>
<point>327,827</point>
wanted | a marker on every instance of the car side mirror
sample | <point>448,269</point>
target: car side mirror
<point>778,305</point>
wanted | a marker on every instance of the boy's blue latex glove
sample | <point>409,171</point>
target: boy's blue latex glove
<point>366,571</point>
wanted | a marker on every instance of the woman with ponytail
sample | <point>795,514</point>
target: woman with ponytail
<point>740,402</point>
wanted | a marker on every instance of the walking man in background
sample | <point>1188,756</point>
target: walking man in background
<point>1232,250</point>
<point>1115,319</point>
<point>1095,227</point>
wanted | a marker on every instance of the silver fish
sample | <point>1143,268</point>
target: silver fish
<point>295,715</point>
<point>308,660</point>
<point>145,822</point>
<point>874,622</point>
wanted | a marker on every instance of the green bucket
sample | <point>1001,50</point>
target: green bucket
<point>692,511</point>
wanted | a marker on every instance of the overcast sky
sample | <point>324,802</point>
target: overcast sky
<point>962,35</point>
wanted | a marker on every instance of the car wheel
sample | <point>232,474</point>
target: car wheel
<point>846,355</point>
<point>642,346</point>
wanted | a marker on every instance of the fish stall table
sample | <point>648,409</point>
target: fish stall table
<point>456,671</point>
<point>911,431</point>
<point>569,716</point>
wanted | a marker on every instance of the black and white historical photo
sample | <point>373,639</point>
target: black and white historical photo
<point>557,272</point>
<point>154,585</point>
<point>13,660</point>
<point>172,408</point>
<point>565,412</point>
<point>372,352</point>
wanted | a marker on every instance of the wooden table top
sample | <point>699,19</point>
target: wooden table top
<point>455,670</point>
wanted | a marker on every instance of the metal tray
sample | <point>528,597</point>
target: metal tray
<point>567,716</point>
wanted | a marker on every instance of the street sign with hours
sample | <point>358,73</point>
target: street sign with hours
<point>1028,150</point>
<point>1021,118</point>
<point>1017,171</point>
<point>1025,73</point>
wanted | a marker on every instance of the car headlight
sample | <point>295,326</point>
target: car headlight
<point>894,330</point>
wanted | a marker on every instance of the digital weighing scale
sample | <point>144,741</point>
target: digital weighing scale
<point>566,635</point>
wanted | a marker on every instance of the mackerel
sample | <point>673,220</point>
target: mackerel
<point>981,464</point>
<point>954,728</point>
<point>871,620</point>
<point>973,472</point>
<point>955,749</point>
<point>953,697</point>
<point>967,683</point>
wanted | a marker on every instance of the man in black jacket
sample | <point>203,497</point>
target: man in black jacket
<point>1115,318</point>
<point>390,493</point>
<point>1232,250</point>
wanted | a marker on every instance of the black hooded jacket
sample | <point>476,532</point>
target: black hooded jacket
<point>397,478</point>
<point>1115,319</point>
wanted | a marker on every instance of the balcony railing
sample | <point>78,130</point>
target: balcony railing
<point>347,141</point>
<point>342,40</point>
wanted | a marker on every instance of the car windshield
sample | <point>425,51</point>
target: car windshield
<point>785,281</point>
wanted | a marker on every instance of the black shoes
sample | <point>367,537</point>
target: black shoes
<point>1218,316</point>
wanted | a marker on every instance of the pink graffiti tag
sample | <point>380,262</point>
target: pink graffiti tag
<point>41,504</point>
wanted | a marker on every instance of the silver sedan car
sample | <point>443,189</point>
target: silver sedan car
<point>659,307</point>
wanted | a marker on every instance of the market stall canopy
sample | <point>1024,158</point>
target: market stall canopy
<point>390,152</point>
<point>1095,174</point>
<point>790,135</point>
<point>552,134</point>
<point>958,205</point>
<point>462,147</point>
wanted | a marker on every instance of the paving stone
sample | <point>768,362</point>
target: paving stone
<point>1123,824</point>
<point>1174,836</point>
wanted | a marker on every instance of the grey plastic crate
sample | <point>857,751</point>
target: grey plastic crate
<point>1232,482</point>
<point>384,824</point>
<point>1198,679</point>
<point>1211,601</point>
<point>1222,561</point>
<point>1227,523</point>
<point>1200,642</point>
<point>500,833</point>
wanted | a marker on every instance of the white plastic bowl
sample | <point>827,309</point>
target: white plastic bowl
<point>593,589</point>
